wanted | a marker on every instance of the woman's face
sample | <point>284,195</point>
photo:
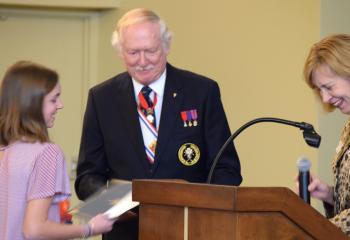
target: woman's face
<point>52,103</point>
<point>334,89</point>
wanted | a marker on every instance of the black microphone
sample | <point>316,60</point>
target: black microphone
<point>304,178</point>
<point>310,136</point>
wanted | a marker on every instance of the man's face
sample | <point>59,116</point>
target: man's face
<point>143,52</point>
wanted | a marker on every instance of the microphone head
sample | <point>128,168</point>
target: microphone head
<point>312,138</point>
<point>303,164</point>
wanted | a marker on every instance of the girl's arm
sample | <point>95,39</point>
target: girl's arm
<point>37,226</point>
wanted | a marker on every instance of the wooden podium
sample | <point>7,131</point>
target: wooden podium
<point>178,210</point>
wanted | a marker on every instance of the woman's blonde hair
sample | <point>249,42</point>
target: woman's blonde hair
<point>333,51</point>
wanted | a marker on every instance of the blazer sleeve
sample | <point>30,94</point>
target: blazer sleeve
<point>92,168</point>
<point>228,169</point>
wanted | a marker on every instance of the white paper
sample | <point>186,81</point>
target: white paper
<point>113,201</point>
<point>122,206</point>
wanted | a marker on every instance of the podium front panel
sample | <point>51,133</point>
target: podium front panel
<point>160,222</point>
<point>209,224</point>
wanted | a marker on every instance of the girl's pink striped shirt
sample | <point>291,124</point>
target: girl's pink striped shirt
<point>29,171</point>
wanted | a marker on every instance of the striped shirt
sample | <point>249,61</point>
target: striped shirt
<point>29,171</point>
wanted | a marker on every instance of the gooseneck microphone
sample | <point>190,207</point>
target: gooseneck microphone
<point>304,165</point>
<point>310,136</point>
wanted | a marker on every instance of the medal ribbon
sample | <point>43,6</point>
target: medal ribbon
<point>150,135</point>
<point>146,105</point>
<point>184,116</point>
<point>194,114</point>
<point>148,122</point>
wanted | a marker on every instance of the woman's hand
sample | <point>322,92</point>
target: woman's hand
<point>318,189</point>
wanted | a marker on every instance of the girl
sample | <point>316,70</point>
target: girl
<point>33,177</point>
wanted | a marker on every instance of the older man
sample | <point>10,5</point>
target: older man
<point>154,121</point>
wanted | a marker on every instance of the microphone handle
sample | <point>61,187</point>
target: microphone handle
<point>304,180</point>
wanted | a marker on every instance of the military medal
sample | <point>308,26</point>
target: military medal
<point>150,115</point>
<point>194,117</point>
<point>150,118</point>
<point>189,154</point>
<point>190,118</point>
<point>184,118</point>
<point>153,145</point>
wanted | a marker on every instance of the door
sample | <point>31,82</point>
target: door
<point>62,41</point>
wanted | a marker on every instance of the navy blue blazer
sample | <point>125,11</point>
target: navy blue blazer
<point>112,144</point>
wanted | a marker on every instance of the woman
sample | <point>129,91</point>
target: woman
<point>327,71</point>
<point>33,173</point>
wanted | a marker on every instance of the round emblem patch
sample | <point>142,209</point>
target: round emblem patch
<point>189,154</point>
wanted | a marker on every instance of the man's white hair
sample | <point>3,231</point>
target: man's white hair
<point>139,15</point>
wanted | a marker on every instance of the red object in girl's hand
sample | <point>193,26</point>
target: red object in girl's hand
<point>65,216</point>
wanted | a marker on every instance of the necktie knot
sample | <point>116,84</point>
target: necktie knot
<point>146,90</point>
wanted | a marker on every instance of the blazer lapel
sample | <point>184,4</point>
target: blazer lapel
<point>172,102</point>
<point>128,109</point>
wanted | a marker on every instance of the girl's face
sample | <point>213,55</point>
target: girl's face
<point>51,104</point>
